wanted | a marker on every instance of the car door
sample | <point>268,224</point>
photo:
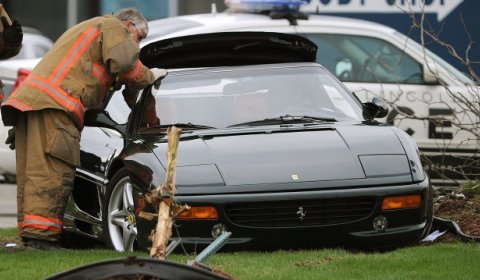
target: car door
<point>374,64</point>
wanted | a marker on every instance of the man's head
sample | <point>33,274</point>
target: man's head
<point>136,24</point>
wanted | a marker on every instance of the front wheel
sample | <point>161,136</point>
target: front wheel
<point>119,223</point>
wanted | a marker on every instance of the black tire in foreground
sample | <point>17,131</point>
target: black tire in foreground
<point>137,268</point>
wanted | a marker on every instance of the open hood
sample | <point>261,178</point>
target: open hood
<point>228,49</point>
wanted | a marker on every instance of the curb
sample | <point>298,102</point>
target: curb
<point>451,226</point>
<point>8,215</point>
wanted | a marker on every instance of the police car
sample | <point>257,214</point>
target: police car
<point>372,60</point>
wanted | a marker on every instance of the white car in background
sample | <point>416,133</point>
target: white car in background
<point>372,60</point>
<point>11,71</point>
<point>34,46</point>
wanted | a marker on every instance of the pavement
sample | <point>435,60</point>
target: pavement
<point>8,205</point>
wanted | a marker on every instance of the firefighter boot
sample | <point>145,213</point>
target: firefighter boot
<point>39,244</point>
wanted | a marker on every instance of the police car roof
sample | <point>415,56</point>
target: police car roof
<point>240,21</point>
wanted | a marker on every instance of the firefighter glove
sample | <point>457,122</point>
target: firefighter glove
<point>13,33</point>
<point>11,138</point>
<point>158,73</point>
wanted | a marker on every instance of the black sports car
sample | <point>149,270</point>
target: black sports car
<point>273,149</point>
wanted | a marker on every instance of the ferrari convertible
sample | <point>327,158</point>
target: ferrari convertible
<point>273,149</point>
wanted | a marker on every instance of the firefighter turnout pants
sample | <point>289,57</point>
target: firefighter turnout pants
<point>47,147</point>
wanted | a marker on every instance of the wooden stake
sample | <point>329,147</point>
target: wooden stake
<point>165,194</point>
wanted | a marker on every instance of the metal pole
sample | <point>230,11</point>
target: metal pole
<point>212,248</point>
<point>72,13</point>
<point>173,244</point>
<point>172,8</point>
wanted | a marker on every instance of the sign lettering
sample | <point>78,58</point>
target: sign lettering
<point>438,127</point>
<point>440,7</point>
<point>397,111</point>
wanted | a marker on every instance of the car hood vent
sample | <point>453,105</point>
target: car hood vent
<point>228,49</point>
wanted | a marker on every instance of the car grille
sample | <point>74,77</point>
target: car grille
<point>299,213</point>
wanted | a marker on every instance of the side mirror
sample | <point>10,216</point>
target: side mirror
<point>429,76</point>
<point>101,118</point>
<point>375,109</point>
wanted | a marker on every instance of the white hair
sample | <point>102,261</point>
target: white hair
<point>135,16</point>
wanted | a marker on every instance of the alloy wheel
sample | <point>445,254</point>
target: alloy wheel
<point>121,217</point>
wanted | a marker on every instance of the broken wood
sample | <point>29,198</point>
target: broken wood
<point>147,216</point>
<point>165,195</point>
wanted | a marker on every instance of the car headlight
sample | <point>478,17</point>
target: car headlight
<point>385,165</point>
<point>198,213</point>
<point>401,202</point>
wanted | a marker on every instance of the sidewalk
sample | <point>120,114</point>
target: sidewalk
<point>8,205</point>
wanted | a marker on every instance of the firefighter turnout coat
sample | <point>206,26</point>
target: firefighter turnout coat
<point>77,72</point>
<point>72,77</point>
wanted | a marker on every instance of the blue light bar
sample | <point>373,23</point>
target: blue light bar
<point>264,5</point>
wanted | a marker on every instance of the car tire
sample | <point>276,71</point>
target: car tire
<point>138,268</point>
<point>119,221</point>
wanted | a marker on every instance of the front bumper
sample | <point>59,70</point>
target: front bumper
<point>403,226</point>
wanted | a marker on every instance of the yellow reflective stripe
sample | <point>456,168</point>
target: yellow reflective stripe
<point>17,104</point>
<point>136,73</point>
<point>43,223</point>
<point>74,54</point>
<point>102,75</point>
<point>59,95</point>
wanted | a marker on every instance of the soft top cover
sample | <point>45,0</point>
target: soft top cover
<point>228,49</point>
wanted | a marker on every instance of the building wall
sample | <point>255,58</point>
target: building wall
<point>52,17</point>
<point>151,9</point>
<point>187,7</point>
<point>48,16</point>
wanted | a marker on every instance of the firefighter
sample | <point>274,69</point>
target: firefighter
<point>10,42</point>
<point>48,108</point>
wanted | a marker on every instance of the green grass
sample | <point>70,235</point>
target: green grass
<point>438,261</point>
<point>442,261</point>
<point>472,190</point>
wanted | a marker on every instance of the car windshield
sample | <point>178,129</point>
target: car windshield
<point>225,97</point>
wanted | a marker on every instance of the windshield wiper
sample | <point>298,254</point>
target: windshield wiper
<point>182,125</point>
<point>286,119</point>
